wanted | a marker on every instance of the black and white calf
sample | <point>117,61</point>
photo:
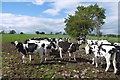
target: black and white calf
<point>28,49</point>
<point>43,48</point>
<point>107,51</point>
<point>68,47</point>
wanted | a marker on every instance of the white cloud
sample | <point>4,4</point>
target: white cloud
<point>69,7</point>
<point>38,2</point>
<point>52,12</point>
<point>59,5</point>
<point>30,24</point>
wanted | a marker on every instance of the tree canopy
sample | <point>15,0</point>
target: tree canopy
<point>12,32</point>
<point>85,20</point>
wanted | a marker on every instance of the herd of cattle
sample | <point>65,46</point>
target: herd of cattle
<point>45,46</point>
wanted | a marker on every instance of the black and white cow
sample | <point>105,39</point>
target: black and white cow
<point>107,51</point>
<point>80,40</point>
<point>68,47</point>
<point>43,48</point>
<point>27,49</point>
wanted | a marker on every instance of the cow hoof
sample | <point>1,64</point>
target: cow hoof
<point>41,62</point>
<point>106,70</point>
<point>115,72</point>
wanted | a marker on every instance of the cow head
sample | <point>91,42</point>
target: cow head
<point>94,49</point>
<point>19,45</point>
<point>14,43</point>
<point>53,46</point>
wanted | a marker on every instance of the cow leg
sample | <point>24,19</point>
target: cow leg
<point>42,58</point>
<point>93,60</point>
<point>96,63</point>
<point>30,58</point>
<point>23,58</point>
<point>69,56</point>
<point>46,54</point>
<point>114,63</point>
<point>74,56</point>
<point>107,57</point>
<point>41,53</point>
<point>60,49</point>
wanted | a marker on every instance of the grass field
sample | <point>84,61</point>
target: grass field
<point>111,39</point>
<point>22,37</point>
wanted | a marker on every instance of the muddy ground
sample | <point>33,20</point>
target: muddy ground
<point>54,67</point>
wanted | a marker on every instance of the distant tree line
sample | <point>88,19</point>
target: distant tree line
<point>10,32</point>
<point>36,32</point>
<point>107,35</point>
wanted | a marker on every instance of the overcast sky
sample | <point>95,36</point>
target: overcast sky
<point>49,15</point>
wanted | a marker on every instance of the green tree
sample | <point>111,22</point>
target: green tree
<point>85,20</point>
<point>37,32</point>
<point>12,32</point>
<point>21,33</point>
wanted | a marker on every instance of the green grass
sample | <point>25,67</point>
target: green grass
<point>111,39</point>
<point>22,37</point>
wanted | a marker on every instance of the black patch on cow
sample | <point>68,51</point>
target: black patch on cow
<point>52,44</point>
<point>112,51</point>
<point>43,45</point>
<point>74,47</point>
<point>53,40</point>
<point>118,53</point>
<point>20,48</point>
<point>83,48</point>
<point>48,47</point>
<point>77,46</point>
<point>31,47</point>
<point>90,50</point>
<point>64,45</point>
<point>92,43</point>
<point>103,49</point>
